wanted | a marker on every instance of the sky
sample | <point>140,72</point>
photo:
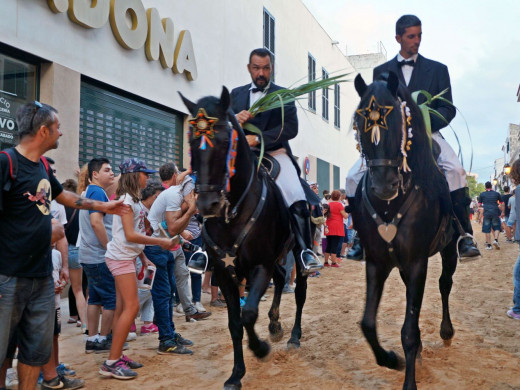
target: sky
<point>478,40</point>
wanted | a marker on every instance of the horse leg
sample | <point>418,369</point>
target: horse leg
<point>230,292</point>
<point>449,265</point>
<point>300,295</point>
<point>259,278</point>
<point>376,276</point>
<point>275,327</point>
<point>410,332</point>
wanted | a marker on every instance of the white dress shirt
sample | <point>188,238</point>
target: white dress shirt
<point>407,69</point>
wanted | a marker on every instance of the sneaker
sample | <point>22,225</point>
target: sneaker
<point>131,336</point>
<point>118,370</point>
<point>150,328</point>
<point>11,378</point>
<point>61,382</point>
<point>335,265</point>
<point>199,307</point>
<point>131,363</point>
<point>287,290</point>
<point>179,309</point>
<point>63,370</point>
<point>513,315</point>
<point>217,303</point>
<point>197,316</point>
<point>488,247</point>
<point>326,264</point>
<point>169,347</point>
<point>133,328</point>
<point>97,346</point>
<point>181,340</point>
<point>495,244</point>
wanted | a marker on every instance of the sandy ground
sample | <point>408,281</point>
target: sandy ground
<point>484,353</point>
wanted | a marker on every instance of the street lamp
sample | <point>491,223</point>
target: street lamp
<point>507,169</point>
<point>495,181</point>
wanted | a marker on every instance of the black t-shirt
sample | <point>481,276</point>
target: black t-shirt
<point>505,199</point>
<point>25,219</point>
<point>490,200</point>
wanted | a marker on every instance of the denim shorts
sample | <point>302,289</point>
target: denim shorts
<point>27,308</point>
<point>101,285</point>
<point>491,222</point>
<point>73,257</point>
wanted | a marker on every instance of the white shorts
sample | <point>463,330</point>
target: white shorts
<point>288,180</point>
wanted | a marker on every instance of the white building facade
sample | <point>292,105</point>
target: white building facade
<point>113,69</point>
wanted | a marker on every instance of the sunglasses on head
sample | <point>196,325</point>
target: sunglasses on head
<point>37,105</point>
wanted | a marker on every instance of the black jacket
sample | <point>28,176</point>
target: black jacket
<point>428,75</point>
<point>269,122</point>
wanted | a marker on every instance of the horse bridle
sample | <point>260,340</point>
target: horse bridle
<point>221,188</point>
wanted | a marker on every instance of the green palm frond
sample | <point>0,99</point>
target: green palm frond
<point>284,96</point>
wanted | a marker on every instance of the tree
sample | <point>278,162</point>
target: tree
<point>474,188</point>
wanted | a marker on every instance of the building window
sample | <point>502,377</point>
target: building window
<point>325,96</point>
<point>18,82</point>
<point>336,106</point>
<point>269,33</point>
<point>312,77</point>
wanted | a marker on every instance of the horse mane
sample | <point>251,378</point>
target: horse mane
<point>425,171</point>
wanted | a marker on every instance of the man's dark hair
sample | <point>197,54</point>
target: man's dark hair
<point>325,192</point>
<point>166,171</point>
<point>95,165</point>
<point>506,188</point>
<point>31,116</point>
<point>404,22</point>
<point>488,184</point>
<point>261,53</point>
<point>150,189</point>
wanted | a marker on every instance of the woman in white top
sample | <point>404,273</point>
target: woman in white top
<point>128,241</point>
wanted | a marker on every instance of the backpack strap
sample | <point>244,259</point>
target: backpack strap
<point>46,165</point>
<point>13,167</point>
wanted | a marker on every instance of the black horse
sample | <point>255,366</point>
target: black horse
<point>247,229</point>
<point>402,212</point>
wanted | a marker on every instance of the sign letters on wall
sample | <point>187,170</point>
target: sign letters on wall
<point>146,29</point>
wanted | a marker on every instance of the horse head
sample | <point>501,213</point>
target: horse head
<point>213,150</point>
<point>379,121</point>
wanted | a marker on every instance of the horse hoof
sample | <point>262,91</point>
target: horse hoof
<point>396,361</point>
<point>293,343</point>
<point>232,387</point>
<point>263,350</point>
<point>275,332</point>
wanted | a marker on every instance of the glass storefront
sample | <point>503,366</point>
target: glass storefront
<point>18,81</point>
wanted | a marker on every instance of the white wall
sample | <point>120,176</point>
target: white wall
<point>223,33</point>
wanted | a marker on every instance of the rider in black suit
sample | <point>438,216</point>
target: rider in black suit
<point>276,137</point>
<point>419,73</point>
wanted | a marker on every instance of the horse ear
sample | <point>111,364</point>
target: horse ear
<point>393,83</point>
<point>225,99</point>
<point>360,85</point>
<point>188,103</point>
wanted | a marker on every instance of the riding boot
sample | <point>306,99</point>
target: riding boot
<point>356,252</point>
<point>301,222</point>
<point>461,200</point>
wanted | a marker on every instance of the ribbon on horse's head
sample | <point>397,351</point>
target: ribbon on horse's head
<point>375,118</point>
<point>203,128</point>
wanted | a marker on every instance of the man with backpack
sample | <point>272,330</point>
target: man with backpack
<point>28,186</point>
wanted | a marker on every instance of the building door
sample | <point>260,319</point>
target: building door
<point>117,127</point>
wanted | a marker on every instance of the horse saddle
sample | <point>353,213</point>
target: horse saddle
<point>271,166</point>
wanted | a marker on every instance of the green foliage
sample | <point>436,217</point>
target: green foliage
<point>474,188</point>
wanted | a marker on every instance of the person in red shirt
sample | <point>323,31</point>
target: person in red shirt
<point>334,229</point>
